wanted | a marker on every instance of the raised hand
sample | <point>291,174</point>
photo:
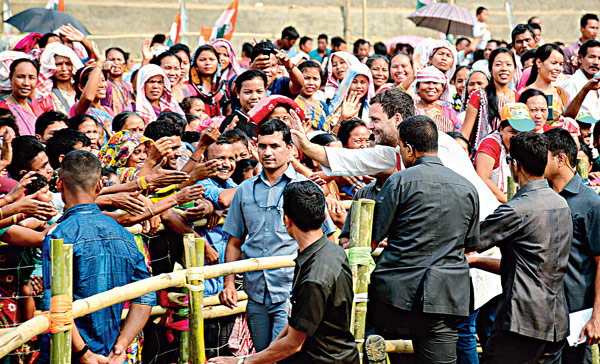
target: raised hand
<point>350,106</point>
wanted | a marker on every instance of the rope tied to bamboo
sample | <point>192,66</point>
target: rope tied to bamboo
<point>60,314</point>
<point>194,274</point>
<point>361,255</point>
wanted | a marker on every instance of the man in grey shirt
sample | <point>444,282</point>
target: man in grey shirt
<point>430,215</point>
<point>533,231</point>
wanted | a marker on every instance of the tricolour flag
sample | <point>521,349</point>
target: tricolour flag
<point>56,5</point>
<point>225,25</point>
<point>179,25</point>
<point>422,3</point>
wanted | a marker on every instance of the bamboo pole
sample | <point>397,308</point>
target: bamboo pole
<point>68,255</point>
<point>222,310</point>
<point>582,167</point>
<point>60,342</point>
<point>360,237</point>
<point>364,19</point>
<point>184,335</point>
<point>37,325</point>
<point>195,255</point>
<point>347,32</point>
<point>511,187</point>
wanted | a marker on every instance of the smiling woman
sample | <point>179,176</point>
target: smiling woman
<point>126,152</point>
<point>23,80</point>
<point>154,94</point>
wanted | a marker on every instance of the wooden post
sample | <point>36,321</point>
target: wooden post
<point>360,237</point>
<point>364,16</point>
<point>195,254</point>
<point>60,342</point>
<point>347,32</point>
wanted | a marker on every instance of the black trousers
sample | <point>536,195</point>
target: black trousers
<point>505,347</point>
<point>581,354</point>
<point>434,336</point>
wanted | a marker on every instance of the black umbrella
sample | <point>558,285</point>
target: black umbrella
<point>44,21</point>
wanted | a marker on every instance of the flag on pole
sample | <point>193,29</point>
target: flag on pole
<point>56,5</point>
<point>173,36</point>
<point>225,25</point>
<point>422,3</point>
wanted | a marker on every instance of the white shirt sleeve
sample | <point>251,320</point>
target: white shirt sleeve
<point>359,162</point>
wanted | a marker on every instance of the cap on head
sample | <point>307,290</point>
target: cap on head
<point>517,115</point>
<point>584,117</point>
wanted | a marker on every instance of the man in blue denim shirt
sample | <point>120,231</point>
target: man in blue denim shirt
<point>255,225</point>
<point>105,256</point>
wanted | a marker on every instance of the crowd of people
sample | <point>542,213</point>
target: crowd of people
<point>265,147</point>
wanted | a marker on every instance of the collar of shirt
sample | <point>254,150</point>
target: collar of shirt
<point>311,250</point>
<point>573,186</point>
<point>290,173</point>
<point>81,208</point>
<point>533,185</point>
<point>229,183</point>
<point>429,159</point>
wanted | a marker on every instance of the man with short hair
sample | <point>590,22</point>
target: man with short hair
<point>306,44</point>
<point>322,51</point>
<point>29,154</point>
<point>319,324</point>
<point>582,85</point>
<point>422,277</point>
<point>255,223</point>
<point>289,36</point>
<point>533,231</point>
<point>538,33</point>
<point>105,256</point>
<point>523,39</point>
<point>361,48</point>
<point>582,280</point>
<point>49,122</point>
<point>589,31</point>
<point>338,44</point>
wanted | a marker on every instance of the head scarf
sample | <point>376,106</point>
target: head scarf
<point>118,149</point>
<point>28,42</point>
<point>6,59</point>
<point>48,67</point>
<point>432,74</point>
<point>464,96</point>
<point>332,83</point>
<point>234,68</point>
<point>167,101</point>
<point>264,107</point>
<point>344,88</point>
<point>442,43</point>
<point>212,97</point>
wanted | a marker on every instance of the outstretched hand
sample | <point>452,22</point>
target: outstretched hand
<point>298,137</point>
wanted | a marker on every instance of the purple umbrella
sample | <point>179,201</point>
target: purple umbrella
<point>448,19</point>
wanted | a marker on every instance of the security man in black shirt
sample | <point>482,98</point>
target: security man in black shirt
<point>322,295</point>
<point>430,216</point>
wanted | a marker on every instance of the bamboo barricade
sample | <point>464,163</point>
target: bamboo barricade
<point>184,335</point>
<point>195,262</point>
<point>360,259</point>
<point>39,324</point>
<point>62,281</point>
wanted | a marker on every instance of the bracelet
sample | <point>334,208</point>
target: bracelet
<point>144,184</point>
<point>150,211</point>
<point>78,354</point>
<point>1,214</point>
<point>14,219</point>
<point>195,160</point>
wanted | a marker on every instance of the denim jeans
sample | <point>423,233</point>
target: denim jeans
<point>266,321</point>
<point>466,346</point>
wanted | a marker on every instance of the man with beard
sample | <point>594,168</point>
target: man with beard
<point>255,221</point>
<point>583,86</point>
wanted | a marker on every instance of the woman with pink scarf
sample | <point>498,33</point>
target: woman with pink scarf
<point>154,94</point>
<point>339,64</point>
<point>230,67</point>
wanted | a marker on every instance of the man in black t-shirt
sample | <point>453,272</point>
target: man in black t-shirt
<point>319,324</point>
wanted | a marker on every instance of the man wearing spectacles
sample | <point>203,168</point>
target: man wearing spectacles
<point>533,231</point>
<point>256,228</point>
<point>582,280</point>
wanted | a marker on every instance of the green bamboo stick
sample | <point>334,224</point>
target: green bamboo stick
<point>595,354</point>
<point>582,167</point>
<point>68,254</point>
<point>184,336</point>
<point>365,213</point>
<point>354,237</point>
<point>511,187</point>
<point>60,348</point>
<point>195,250</point>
